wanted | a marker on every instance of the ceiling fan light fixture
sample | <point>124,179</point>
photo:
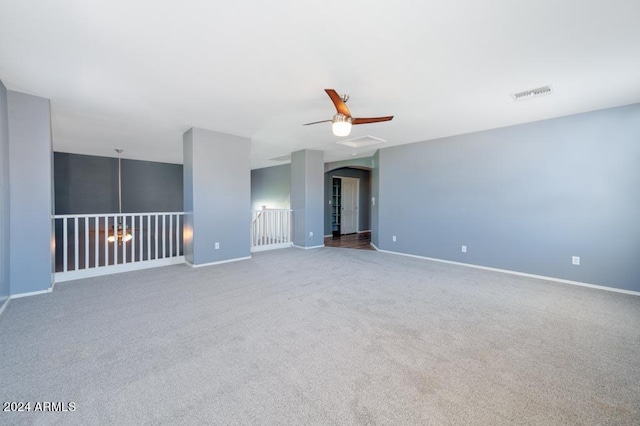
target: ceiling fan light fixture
<point>341,125</point>
<point>341,122</point>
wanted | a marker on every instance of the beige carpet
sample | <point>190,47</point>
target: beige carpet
<point>326,336</point>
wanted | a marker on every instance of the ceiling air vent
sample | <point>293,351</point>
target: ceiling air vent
<point>361,141</point>
<point>533,93</point>
<point>285,157</point>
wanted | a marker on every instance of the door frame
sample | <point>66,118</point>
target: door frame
<point>357,203</point>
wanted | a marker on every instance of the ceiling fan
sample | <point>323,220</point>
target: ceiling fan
<point>342,121</point>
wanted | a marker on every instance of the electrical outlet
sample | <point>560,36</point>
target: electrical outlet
<point>575,260</point>
<point>310,234</point>
<point>464,249</point>
<point>394,238</point>
<point>217,246</point>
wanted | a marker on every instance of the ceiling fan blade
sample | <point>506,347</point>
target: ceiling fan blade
<point>371,120</point>
<point>317,122</point>
<point>341,107</point>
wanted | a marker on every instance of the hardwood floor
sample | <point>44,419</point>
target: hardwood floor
<point>354,241</point>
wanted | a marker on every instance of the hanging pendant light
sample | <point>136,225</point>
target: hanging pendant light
<point>121,233</point>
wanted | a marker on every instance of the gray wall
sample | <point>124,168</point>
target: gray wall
<point>217,196</point>
<point>89,184</point>
<point>4,197</point>
<point>188,180</point>
<point>31,204</point>
<point>271,187</point>
<point>364,199</point>
<point>307,192</point>
<point>524,198</point>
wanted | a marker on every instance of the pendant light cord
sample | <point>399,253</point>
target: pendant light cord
<point>119,151</point>
<point>119,185</point>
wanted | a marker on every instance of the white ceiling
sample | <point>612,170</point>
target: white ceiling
<point>137,74</point>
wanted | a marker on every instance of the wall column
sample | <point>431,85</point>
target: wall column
<point>217,197</point>
<point>375,199</point>
<point>307,195</point>
<point>31,238</point>
<point>5,288</point>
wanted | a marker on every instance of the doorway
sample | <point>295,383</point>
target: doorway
<point>349,205</point>
<point>347,212</point>
<point>361,240</point>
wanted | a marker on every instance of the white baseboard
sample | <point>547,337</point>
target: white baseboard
<point>4,305</point>
<point>31,293</point>
<point>522,274</point>
<point>308,248</point>
<point>327,236</point>
<point>20,295</point>
<point>237,259</point>
<point>116,269</point>
<point>364,232</point>
<point>271,247</point>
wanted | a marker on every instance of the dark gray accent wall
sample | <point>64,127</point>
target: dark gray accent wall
<point>307,192</point>
<point>524,198</point>
<point>4,197</point>
<point>217,196</point>
<point>271,187</point>
<point>89,184</point>
<point>31,205</point>
<point>364,198</point>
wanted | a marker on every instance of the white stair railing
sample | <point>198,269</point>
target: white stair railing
<point>83,248</point>
<point>270,229</point>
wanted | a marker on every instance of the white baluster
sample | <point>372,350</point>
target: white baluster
<point>96,240</point>
<point>155,237</point>
<point>76,243</point>
<point>115,240</point>
<point>65,247</point>
<point>274,231</point>
<point>86,243</point>
<point>272,226</point>
<point>279,226</point>
<point>275,226</point>
<point>164,235</point>
<point>140,238</point>
<point>133,239</point>
<point>122,241</point>
<point>272,221</point>
<point>106,241</point>
<point>170,235</point>
<point>178,216</point>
